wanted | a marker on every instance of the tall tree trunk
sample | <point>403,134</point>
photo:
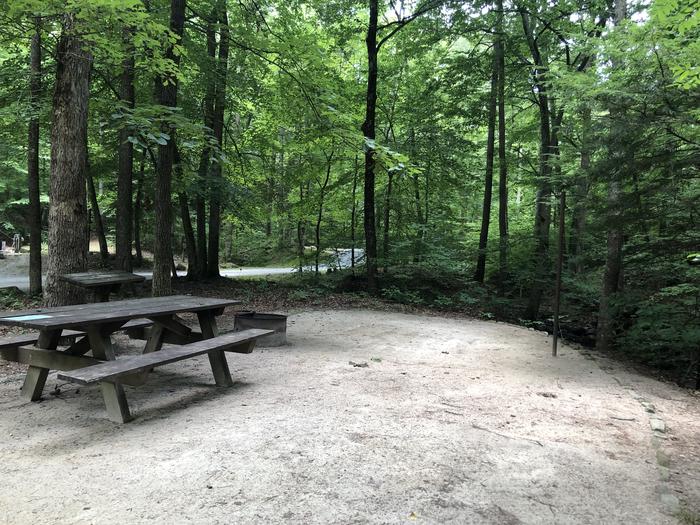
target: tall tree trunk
<point>204,160</point>
<point>368,129</point>
<point>216,171</point>
<point>579,211</point>
<point>188,231</point>
<point>68,207</point>
<point>162,242</point>
<point>99,225</point>
<point>502,161</point>
<point>387,217</point>
<point>319,217</point>
<point>33,162</point>
<point>229,249</point>
<point>270,197</point>
<point>544,190</point>
<point>126,165</point>
<point>612,276</point>
<point>561,246</point>
<point>488,180</point>
<point>138,212</point>
<point>353,215</point>
<point>301,229</point>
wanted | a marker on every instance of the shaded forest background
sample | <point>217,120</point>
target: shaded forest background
<point>457,144</point>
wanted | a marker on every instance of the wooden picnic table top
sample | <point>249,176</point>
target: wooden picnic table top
<point>78,315</point>
<point>100,279</point>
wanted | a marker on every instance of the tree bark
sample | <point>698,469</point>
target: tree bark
<point>33,162</point>
<point>216,168</point>
<point>204,160</point>
<point>353,215</point>
<point>544,190</point>
<point>68,208</point>
<point>369,131</point>
<point>319,217</point>
<point>581,186</point>
<point>138,212</point>
<point>561,244</point>
<point>99,225</point>
<point>124,206</point>
<point>387,217</point>
<point>502,161</point>
<point>488,181</point>
<point>301,229</point>
<point>229,248</point>
<point>187,229</point>
<point>162,242</point>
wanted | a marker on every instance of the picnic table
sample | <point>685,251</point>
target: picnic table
<point>95,323</point>
<point>101,284</point>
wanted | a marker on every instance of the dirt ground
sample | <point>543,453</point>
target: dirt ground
<point>450,421</point>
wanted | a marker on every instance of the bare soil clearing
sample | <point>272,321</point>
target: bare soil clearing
<point>452,420</point>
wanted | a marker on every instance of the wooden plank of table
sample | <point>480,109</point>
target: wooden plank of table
<point>100,313</point>
<point>100,279</point>
<point>117,370</point>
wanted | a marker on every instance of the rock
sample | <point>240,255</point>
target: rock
<point>657,424</point>
<point>670,501</point>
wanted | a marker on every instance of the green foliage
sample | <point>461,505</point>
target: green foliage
<point>665,329</point>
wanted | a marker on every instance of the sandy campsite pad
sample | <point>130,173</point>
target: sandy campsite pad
<point>449,421</point>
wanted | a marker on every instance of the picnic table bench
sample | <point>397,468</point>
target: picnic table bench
<point>93,324</point>
<point>101,284</point>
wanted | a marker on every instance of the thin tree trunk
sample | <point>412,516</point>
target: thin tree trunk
<point>190,244</point>
<point>126,166</point>
<point>353,215</point>
<point>560,266</point>
<point>502,161</point>
<point>68,207</point>
<point>99,225</point>
<point>322,195</point>
<point>33,162</point>
<point>138,212</point>
<point>216,171</point>
<point>229,250</point>
<point>488,181</point>
<point>187,229</point>
<point>162,242</point>
<point>605,333</point>
<point>301,229</point>
<point>579,212</point>
<point>368,129</point>
<point>387,216</point>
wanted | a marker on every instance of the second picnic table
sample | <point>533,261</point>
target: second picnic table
<point>101,284</point>
<point>97,322</point>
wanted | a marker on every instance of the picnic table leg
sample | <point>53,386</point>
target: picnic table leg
<point>101,294</point>
<point>113,393</point>
<point>35,379</point>
<point>217,358</point>
<point>153,344</point>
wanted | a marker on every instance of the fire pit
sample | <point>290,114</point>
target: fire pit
<point>276,322</point>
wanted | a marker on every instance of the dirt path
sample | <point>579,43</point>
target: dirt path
<point>451,421</point>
